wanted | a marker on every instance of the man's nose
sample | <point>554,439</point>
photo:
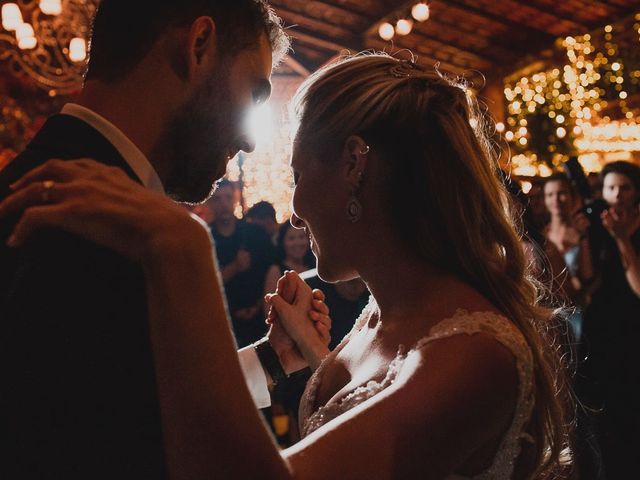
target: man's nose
<point>247,144</point>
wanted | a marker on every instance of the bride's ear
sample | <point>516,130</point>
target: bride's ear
<point>355,157</point>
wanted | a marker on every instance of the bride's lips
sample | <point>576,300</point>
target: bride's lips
<point>310,237</point>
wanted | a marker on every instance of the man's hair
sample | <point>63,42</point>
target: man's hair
<point>225,183</point>
<point>560,177</point>
<point>124,31</point>
<point>262,209</point>
<point>628,169</point>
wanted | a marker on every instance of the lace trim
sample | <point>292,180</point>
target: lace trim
<point>503,331</point>
<point>462,322</point>
<point>308,399</point>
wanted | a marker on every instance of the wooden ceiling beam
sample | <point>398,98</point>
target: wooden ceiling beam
<point>593,9</point>
<point>323,42</point>
<point>475,55</point>
<point>296,65</point>
<point>333,6</point>
<point>469,32</point>
<point>622,4</point>
<point>528,30</point>
<point>535,9</point>
<point>296,18</point>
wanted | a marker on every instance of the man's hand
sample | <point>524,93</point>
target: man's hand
<point>620,224</point>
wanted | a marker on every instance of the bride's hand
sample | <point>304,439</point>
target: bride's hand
<point>288,352</point>
<point>305,319</point>
<point>100,203</point>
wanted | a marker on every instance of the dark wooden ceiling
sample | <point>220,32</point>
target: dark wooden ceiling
<point>493,37</point>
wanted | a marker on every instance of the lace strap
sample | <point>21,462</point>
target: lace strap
<point>505,332</point>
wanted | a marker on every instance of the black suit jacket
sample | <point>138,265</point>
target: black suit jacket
<point>77,384</point>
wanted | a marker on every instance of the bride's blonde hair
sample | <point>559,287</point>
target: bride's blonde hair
<point>446,197</point>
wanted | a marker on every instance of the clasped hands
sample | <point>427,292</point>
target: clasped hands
<point>299,323</point>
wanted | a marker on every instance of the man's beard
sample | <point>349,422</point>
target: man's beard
<point>196,142</point>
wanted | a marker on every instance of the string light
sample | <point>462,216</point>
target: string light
<point>404,26</point>
<point>420,12</point>
<point>51,7</point>
<point>386,31</point>
<point>11,17</point>
<point>567,101</point>
<point>77,49</point>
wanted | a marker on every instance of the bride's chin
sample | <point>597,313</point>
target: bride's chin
<point>331,275</point>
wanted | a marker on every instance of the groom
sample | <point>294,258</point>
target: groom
<point>168,87</point>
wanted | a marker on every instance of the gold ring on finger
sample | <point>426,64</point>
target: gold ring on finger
<point>47,185</point>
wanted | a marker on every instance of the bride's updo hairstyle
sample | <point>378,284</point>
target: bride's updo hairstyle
<point>444,195</point>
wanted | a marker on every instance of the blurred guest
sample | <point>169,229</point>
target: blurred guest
<point>293,252</point>
<point>204,211</point>
<point>608,377</point>
<point>567,231</point>
<point>539,214</point>
<point>264,215</point>
<point>595,182</point>
<point>531,238</point>
<point>245,254</point>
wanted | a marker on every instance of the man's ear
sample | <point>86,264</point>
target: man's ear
<point>355,156</point>
<point>202,48</point>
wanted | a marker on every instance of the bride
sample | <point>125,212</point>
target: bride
<point>447,374</point>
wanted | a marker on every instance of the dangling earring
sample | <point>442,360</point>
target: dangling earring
<point>354,207</point>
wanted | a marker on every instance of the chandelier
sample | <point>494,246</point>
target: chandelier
<point>46,40</point>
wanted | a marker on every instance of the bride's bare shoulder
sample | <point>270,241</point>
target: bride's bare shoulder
<point>469,380</point>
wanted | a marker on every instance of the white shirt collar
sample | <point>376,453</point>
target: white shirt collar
<point>131,154</point>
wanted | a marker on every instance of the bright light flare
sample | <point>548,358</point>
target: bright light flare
<point>77,49</point>
<point>261,124</point>
<point>51,7</point>
<point>11,16</point>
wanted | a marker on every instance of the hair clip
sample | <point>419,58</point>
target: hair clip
<point>404,69</point>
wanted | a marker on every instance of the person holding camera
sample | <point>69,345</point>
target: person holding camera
<point>608,378</point>
<point>567,232</point>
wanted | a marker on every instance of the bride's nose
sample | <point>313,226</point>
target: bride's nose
<point>296,221</point>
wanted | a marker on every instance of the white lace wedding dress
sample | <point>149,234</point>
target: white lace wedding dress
<point>462,322</point>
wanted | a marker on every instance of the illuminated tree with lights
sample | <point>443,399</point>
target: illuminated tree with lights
<point>548,110</point>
